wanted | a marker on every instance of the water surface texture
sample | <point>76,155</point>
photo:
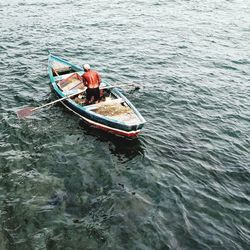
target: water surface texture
<point>184,183</point>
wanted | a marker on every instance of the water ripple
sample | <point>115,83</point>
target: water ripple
<point>183,183</point>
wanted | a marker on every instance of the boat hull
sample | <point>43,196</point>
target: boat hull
<point>92,119</point>
<point>130,134</point>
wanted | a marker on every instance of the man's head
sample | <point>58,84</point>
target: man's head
<point>86,67</point>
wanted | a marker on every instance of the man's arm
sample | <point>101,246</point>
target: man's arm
<point>77,76</point>
<point>84,81</point>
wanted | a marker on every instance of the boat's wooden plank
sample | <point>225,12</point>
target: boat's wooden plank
<point>69,83</point>
<point>72,85</point>
<point>58,66</point>
<point>62,77</point>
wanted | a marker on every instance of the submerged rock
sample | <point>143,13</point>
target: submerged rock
<point>58,198</point>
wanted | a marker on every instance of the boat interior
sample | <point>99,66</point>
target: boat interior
<point>109,105</point>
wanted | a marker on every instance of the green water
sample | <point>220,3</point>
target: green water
<point>184,183</point>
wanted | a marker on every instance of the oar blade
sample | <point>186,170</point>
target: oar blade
<point>23,113</point>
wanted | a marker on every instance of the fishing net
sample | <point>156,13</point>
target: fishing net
<point>113,110</point>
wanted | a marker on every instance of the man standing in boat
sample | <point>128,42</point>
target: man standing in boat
<point>92,80</point>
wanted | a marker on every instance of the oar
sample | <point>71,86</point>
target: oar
<point>119,86</point>
<point>22,113</point>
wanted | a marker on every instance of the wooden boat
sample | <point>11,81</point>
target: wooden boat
<point>114,113</point>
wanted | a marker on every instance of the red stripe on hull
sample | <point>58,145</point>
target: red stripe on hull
<point>127,134</point>
<point>131,134</point>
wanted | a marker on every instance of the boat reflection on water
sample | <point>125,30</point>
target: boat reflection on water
<point>119,146</point>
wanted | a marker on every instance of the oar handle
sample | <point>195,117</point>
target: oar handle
<point>111,86</point>
<point>58,100</point>
<point>117,86</point>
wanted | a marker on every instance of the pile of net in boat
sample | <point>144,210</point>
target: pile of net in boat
<point>113,110</point>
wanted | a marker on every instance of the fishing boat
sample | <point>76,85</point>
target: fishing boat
<point>114,113</point>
